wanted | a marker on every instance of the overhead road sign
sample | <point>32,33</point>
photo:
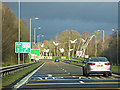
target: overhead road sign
<point>22,47</point>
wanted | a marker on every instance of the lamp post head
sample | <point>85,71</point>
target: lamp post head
<point>39,27</point>
<point>36,18</point>
<point>42,35</point>
<point>113,30</point>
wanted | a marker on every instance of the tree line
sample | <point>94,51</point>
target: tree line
<point>96,43</point>
<point>10,35</point>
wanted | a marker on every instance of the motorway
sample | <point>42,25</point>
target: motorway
<point>56,75</point>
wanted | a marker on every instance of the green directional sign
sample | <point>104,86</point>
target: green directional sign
<point>35,54</point>
<point>22,47</point>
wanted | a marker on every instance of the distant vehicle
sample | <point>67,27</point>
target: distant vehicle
<point>97,65</point>
<point>57,60</point>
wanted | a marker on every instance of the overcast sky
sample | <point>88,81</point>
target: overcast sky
<point>59,16</point>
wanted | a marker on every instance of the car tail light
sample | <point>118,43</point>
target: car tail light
<point>91,63</point>
<point>107,63</point>
<point>108,69</point>
<point>90,69</point>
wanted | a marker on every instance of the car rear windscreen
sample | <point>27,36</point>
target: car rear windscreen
<point>98,59</point>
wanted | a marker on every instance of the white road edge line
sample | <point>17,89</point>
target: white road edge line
<point>25,79</point>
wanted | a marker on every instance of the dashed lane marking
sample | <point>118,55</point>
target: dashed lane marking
<point>73,76</point>
<point>40,78</point>
<point>81,82</point>
<point>52,74</point>
<point>103,77</point>
<point>53,77</point>
<point>68,73</point>
<point>65,71</point>
<point>49,75</point>
<point>96,77</point>
<point>46,78</point>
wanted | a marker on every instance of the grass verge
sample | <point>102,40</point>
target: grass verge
<point>116,69</point>
<point>6,81</point>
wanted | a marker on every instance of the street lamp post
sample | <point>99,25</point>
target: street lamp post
<point>19,35</point>
<point>38,36</point>
<point>30,29</point>
<point>34,34</point>
<point>117,43</point>
<point>103,40</point>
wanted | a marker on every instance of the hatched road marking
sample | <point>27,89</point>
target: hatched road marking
<point>73,83</point>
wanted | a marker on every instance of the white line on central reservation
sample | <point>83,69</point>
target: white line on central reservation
<point>25,79</point>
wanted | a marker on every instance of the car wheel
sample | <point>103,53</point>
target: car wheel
<point>86,74</point>
<point>83,71</point>
<point>110,74</point>
<point>106,74</point>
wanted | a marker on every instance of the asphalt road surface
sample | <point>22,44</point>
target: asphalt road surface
<point>59,75</point>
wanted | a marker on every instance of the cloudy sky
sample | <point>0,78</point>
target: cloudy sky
<point>59,16</point>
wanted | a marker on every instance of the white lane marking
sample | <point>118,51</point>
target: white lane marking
<point>89,77</point>
<point>76,66</point>
<point>49,75</point>
<point>97,77</point>
<point>80,77</point>
<point>81,82</point>
<point>53,77</point>
<point>112,77</point>
<point>115,74</point>
<point>25,79</point>
<point>103,77</point>
<point>40,78</point>
<point>73,76</point>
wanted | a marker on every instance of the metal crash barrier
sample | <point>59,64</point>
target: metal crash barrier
<point>7,70</point>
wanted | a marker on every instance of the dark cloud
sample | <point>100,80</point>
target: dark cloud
<point>98,12</point>
<point>56,17</point>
